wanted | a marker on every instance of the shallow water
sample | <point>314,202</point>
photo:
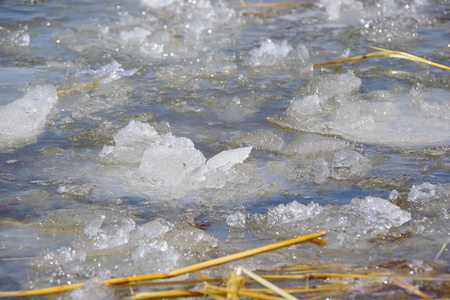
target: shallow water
<point>121,157</point>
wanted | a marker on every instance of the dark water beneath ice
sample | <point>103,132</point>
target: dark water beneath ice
<point>220,78</point>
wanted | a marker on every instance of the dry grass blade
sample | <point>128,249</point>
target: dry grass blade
<point>411,288</point>
<point>444,245</point>
<point>263,5</point>
<point>174,273</point>
<point>266,283</point>
<point>168,294</point>
<point>386,53</point>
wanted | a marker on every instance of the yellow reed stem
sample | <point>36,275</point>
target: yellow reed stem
<point>265,283</point>
<point>411,288</point>
<point>264,5</point>
<point>168,294</point>
<point>386,53</point>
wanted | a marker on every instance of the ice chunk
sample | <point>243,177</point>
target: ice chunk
<point>261,139</point>
<point>424,191</point>
<point>334,8</point>
<point>332,85</point>
<point>93,289</point>
<point>236,219</point>
<point>227,159</point>
<point>321,171</point>
<point>269,53</point>
<point>170,162</point>
<point>131,142</point>
<point>380,214</point>
<point>114,235</point>
<point>157,3</point>
<point>24,119</point>
<point>292,212</point>
<point>156,228</point>
<point>312,144</point>
<point>81,191</point>
<point>348,164</point>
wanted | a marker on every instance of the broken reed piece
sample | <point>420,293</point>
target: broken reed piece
<point>174,273</point>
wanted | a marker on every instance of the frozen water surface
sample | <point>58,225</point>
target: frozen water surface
<point>143,136</point>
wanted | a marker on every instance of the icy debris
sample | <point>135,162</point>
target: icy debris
<point>76,190</point>
<point>269,53</point>
<point>321,171</point>
<point>335,8</point>
<point>93,289</point>
<point>420,192</point>
<point>227,159</point>
<point>24,119</point>
<point>349,164</point>
<point>131,142</point>
<point>109,72</point>
<point>170,162</point>
<point>292,212</point>
<point>236,219</point>
<point>165,161</point>
<point>379,214</point>
<point>331,85</point>
<point>313,145</point>
<point>157,3</point>
<point>353,224</point>
<point>114,235</point>
<point>261,139</point>
<point>154,247</point>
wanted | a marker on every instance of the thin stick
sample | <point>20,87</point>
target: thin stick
<point>174,273</point>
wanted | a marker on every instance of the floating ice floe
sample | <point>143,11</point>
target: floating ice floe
<point>24,119</point>
<point>167,162</point>
<point>329,105</point>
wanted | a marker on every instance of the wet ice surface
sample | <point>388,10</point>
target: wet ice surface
<point>174,131</point>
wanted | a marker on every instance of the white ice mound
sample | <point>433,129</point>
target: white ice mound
<point>379,214</point>
<point>226,159</point>
<point>167,161</point>
<point>131,142</point>
<point>24,119</point>
<point>269,53</point>
<point>171,161</point>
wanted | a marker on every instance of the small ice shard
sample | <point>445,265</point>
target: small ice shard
<point>24,119</point>
<point>313,144</point>
<point>292,212</point>
<point>227,159</point>
<point>321,171</point>
<point>131,142</point>
<point>349,164</point>
<point>261,139</point>
<point>93,289</point>
<point>269,53</point>
<point>424,191</point>
<point>157,3</point>
<point>380,214</point>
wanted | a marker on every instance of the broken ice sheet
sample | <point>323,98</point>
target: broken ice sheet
<point>329,105</point>
<point>24,119</point>
<point>351,225</point>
